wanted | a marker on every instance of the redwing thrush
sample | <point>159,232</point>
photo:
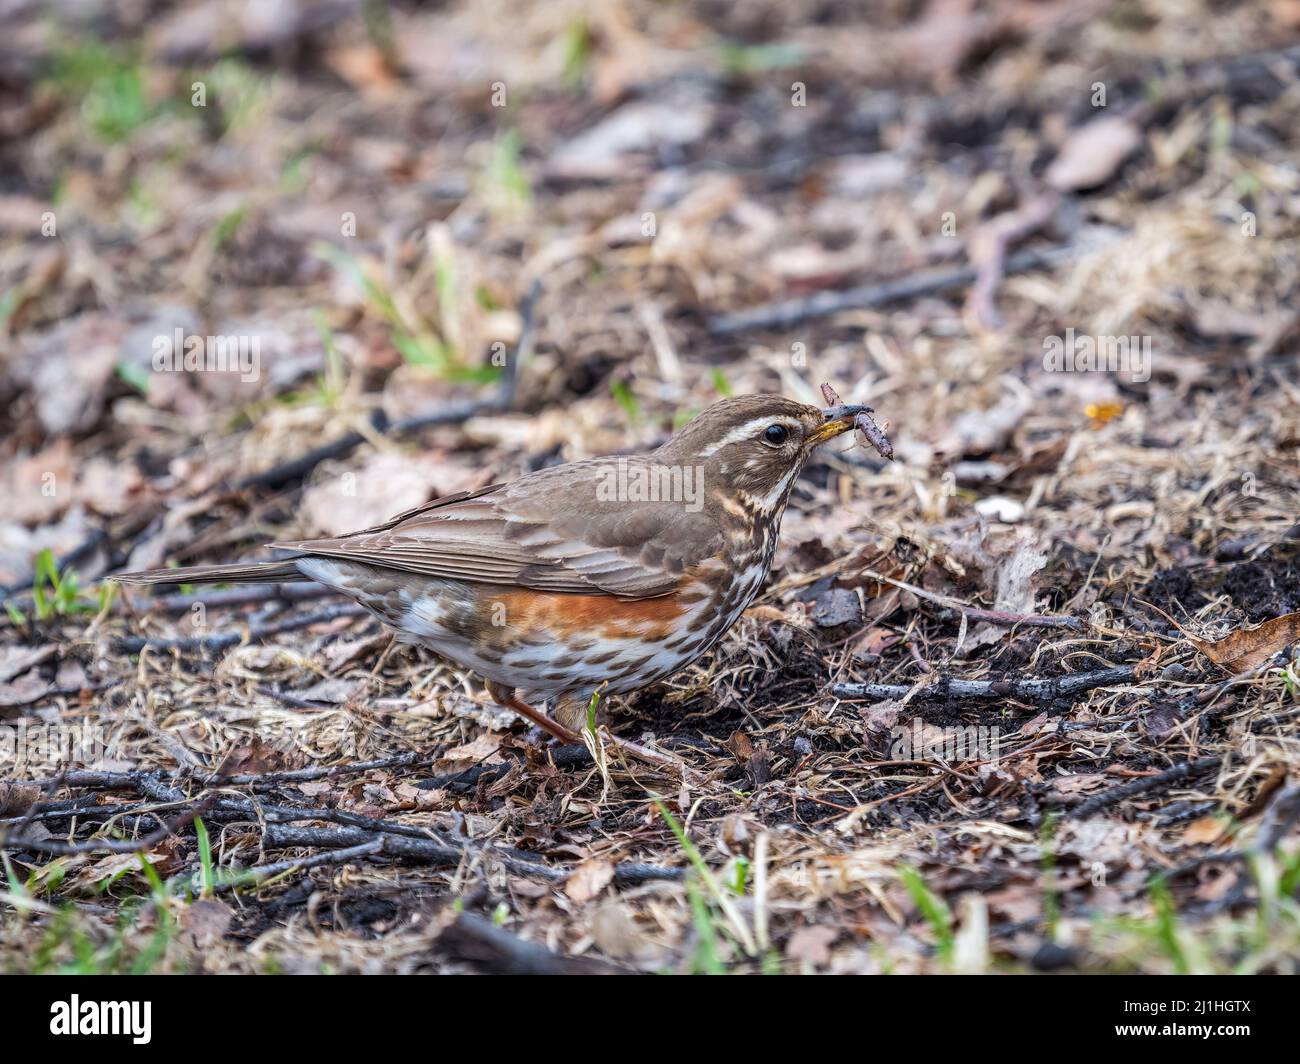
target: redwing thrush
<point>607,573</point>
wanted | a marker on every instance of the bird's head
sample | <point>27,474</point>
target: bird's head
<point>751,448</point>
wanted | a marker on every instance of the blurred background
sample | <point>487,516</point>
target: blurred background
<point>366,191</point>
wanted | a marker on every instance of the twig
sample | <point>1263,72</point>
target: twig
<point>1115,795</point>
<point>978,613</point>
<point>439,853</point>
<point>287,814</point>
<point>410,759</point>
<point>260,873</point>
<point>253,594</point>
<point>1015,620</point>
<point>470,937</point>
<point>280,830</point>
<point>987,251</point>
<point>137,644</point>
<point>1032,689</point>
<point>782,315</point>
<point>569,756</point>
<point>61,847</point>
<point>86,809</point>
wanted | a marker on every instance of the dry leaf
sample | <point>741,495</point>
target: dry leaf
<point>1206,829</point>
<point>1246,648</point>
<point>23,691</point>
<point>812,944</point>
<point>588,879</point>
<point>205,922</point>
<point>17,798</point>
<point>481,748</point>
<point>1080,783</point>
<point>1093,154</point>
<point>16,660</point>
<point>616,934</point>
<point>255,759</point>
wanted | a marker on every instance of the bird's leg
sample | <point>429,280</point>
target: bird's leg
<point>505,696</point>
<point>571,711</point>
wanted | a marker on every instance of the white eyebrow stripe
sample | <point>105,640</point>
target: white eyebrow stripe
<point>750,429</point>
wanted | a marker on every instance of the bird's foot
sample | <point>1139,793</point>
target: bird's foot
<point>505,697</point>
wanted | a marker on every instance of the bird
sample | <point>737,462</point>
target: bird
<point>601,575</point>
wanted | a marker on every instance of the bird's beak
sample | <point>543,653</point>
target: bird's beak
<point>839,420</point>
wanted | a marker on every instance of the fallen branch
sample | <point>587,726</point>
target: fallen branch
<point>281,827</point>
<point>439,853</point>
<point>410,759</point>
<point>62,847</point>
<point>201,644</point>
<point>250,595</point>
<point>471,938</point>
<point>979,613</point>
<point>783,314</point>
<point>259,874</point>
<point>1036,690</point>
<point>1115,795</point>
<point>568,756</point>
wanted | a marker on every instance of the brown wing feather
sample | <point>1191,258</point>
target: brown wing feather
<point>551,530</point>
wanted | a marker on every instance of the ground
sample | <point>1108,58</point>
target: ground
<point>1052,243</point>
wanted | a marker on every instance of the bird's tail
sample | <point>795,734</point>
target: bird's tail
<point>238,573</point>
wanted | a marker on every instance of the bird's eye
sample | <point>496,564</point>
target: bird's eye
<point>775,434</point>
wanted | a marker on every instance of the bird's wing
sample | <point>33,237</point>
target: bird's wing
<point>569,528</point>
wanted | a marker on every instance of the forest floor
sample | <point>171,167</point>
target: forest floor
<point>464,243</point>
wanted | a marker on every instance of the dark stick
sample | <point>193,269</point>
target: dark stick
<point>238,596</point>
<point>87,809</point>
<point>1116,795</point>
<point>1034,690</point>
<point>135,644</point>
<point>472,938</point>
<point>60,847</point>
<point>407,841</point>
<point>284,814</point>
<point>569,756</point>
<point>89,779</point>
<point>782,315</point>
<point>305,775</point>
<point>259,873</point>
<point>439,853</point>
<point>297,468</point>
